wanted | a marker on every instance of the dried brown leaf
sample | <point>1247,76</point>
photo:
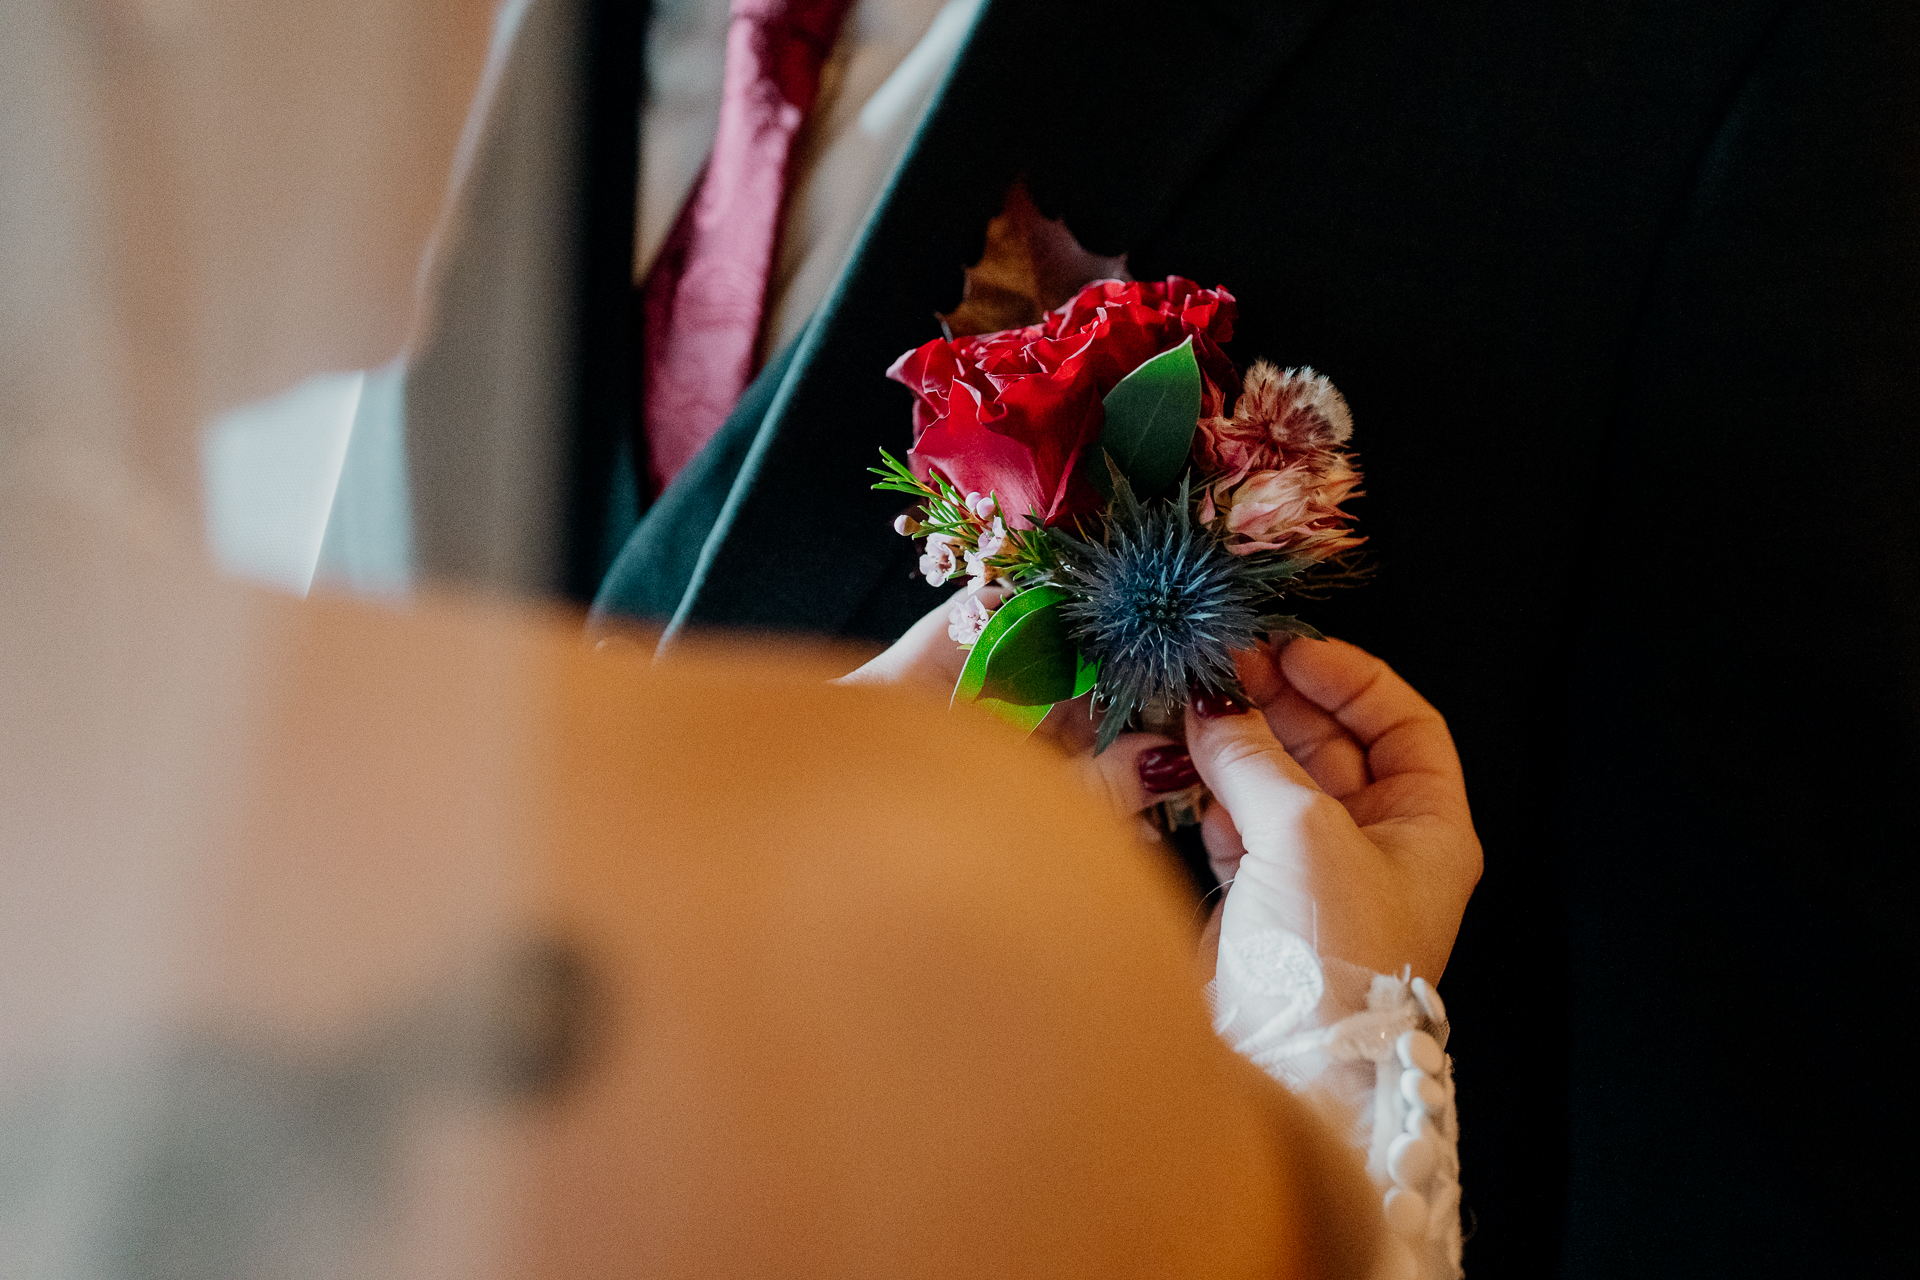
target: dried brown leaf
<point>1031,265</point>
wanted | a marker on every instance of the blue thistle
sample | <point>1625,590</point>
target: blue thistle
<point>1160,605</point>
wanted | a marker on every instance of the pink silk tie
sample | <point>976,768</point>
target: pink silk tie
<point>702,301</point>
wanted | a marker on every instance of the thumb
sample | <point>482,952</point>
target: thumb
<point>1275,807</point>
<point>1248,771</point>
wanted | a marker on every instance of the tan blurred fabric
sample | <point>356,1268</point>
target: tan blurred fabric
<point>845,984</point>
<point>851,1019</point>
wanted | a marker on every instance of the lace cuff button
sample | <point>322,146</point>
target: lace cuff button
<point>1418,1049</point>
<point>1411,1161</point>
<point>1423,1091</point>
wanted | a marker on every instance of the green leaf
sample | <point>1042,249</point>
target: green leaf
<point>1035,662</point>
<point>973,676</point>
<point>1151,417</point>
<point>1086,674</point>
<point>899,477</point>
<point>972,686</point>
<point>1286,624</point>
<point>1025,719</point>
<point>1274,570</point>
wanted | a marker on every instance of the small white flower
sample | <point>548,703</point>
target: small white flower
<point>942,559</point>
<point>966,620</point>
<point>979,571</point>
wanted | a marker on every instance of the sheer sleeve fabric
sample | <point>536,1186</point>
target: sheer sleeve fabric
<point>1369,1051</point>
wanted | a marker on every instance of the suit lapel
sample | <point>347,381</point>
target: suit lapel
<point>1109,110</point>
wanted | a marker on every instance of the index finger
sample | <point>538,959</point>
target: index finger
<point>1400,731</point>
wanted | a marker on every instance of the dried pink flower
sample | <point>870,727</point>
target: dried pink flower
<point>993,538</point>
<point>1278,472</point>
<point>1295,509</point>
<point>979,571</point>
<point>1282,416</point>
<point>966,620</point>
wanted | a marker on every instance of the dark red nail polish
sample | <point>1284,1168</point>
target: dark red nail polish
<point>1166,769</point>
<point>1214,703</point>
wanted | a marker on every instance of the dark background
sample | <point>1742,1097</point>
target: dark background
<point>1626,300</point>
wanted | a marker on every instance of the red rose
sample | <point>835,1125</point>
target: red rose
<point>1012,412</point>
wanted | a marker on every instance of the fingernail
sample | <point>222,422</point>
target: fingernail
<point>1166,769</point>
<point>1214,703</point>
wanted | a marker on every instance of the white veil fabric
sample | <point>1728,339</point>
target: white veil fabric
<point>219,1054</point>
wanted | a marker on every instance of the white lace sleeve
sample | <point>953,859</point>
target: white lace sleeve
<point>1370,1051</point>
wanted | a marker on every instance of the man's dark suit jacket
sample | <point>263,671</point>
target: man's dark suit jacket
<point>1626,299</point>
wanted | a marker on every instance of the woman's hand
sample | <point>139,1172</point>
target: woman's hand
<point>1342,811</point>
<point>927,656</point>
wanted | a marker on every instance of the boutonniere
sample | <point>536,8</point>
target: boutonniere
<point>1145,507</point>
